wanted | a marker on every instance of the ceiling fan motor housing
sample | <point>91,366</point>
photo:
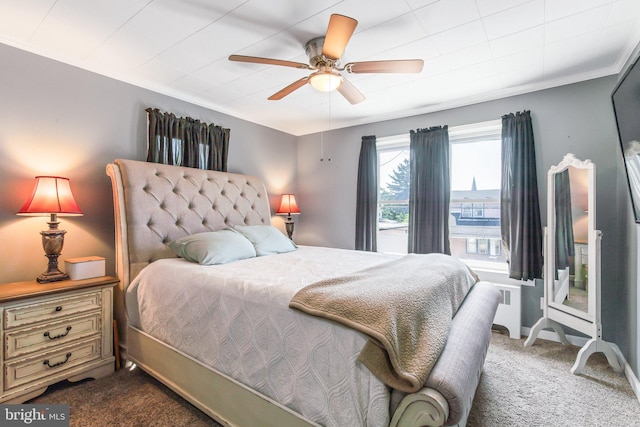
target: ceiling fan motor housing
<point>313,48</point>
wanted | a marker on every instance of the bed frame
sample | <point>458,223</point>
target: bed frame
<point>155,204</point>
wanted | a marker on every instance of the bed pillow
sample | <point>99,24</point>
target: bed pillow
<point>266,239</point>
<point>213,247</point>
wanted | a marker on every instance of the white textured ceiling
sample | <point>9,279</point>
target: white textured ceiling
<point>474,50</point>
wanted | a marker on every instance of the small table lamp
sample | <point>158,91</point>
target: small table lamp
<point>51,196</point>
<point>288,206</point>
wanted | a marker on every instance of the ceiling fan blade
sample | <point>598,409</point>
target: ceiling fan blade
<point>338,34</point>
<point>269,61</point>
<point>350,92</point>
<point>287,90</point>
<point>391,66</point>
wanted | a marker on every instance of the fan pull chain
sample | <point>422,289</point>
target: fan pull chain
<point>322,134</point>
<point>329,127</point>
<point>322,148</point>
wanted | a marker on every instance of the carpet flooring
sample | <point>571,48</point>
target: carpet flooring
<point>519,387</point>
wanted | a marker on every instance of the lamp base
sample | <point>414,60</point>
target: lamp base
<point>48,277</point>
<point>52,242</point>
<point>289,227</point>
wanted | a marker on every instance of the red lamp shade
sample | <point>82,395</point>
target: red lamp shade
<point>288,205</point>
<point>51,195</point>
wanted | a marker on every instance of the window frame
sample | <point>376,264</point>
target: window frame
<point>462,134</point>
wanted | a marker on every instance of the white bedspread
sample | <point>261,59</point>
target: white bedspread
<point>235,317</point>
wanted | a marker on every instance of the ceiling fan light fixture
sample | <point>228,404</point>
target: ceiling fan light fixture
<point>325,81</point>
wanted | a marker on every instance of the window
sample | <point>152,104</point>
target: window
<point>495,248</point>
<point>472,245</point>
<point>483,246</point>
<point>474,222</point>
<point>393,196</point>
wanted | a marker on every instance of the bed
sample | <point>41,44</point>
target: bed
<point>245,354</point>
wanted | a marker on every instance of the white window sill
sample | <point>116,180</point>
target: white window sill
<point>490,272</point>
<point>496,273</point>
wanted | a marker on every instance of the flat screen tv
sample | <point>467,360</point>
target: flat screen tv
<point>626,107</point>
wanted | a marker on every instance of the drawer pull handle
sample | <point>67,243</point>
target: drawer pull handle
<point>46,334</point>
<point>59,308</point>
<point>46,362</point>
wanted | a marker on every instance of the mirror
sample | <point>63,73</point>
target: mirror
<point>626,107</point>
<point>571,277</point>
<point>570,232</point>
<point>572,260</point>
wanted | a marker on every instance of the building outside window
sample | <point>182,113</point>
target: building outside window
<point>474,221</point>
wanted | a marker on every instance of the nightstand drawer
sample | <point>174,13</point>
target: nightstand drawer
<point>34,368</point>
<point>52,309</point>
<point>23,341</point>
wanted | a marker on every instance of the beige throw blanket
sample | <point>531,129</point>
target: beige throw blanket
<point>404,306</point>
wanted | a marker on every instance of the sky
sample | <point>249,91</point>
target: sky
<point>480,160</point>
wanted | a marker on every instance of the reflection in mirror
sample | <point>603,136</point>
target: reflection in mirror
<point>571,207</point>
<point>626,107</point>
<point>632,163</point>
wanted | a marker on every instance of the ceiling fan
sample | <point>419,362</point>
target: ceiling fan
<point>324,58</point>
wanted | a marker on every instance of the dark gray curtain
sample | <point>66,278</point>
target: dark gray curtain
<point>564,221</point>
<point>183,141</point>
<point>367,196</point>
<point>429,191</point>
<point>519,206</point>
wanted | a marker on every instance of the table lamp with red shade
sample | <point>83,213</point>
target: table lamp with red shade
<point>51,196</point>
<point>288,206</point>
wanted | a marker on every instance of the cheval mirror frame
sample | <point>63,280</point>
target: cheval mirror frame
<point>557,308</point>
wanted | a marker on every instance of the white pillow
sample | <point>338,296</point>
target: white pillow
<point>213,247</point>
<point>266,239</point>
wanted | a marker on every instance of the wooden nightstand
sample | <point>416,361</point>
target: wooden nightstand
<point>52,332</point>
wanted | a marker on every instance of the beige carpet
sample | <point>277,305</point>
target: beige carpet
<point>533,387</point>
<point>519,387</point>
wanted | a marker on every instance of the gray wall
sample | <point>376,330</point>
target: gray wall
<point>58,119</point>
<point>575,118</point>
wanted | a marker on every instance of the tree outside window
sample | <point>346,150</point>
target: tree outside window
<point>396,192</point>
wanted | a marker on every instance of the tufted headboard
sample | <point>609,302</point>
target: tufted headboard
<point>155,204</point>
